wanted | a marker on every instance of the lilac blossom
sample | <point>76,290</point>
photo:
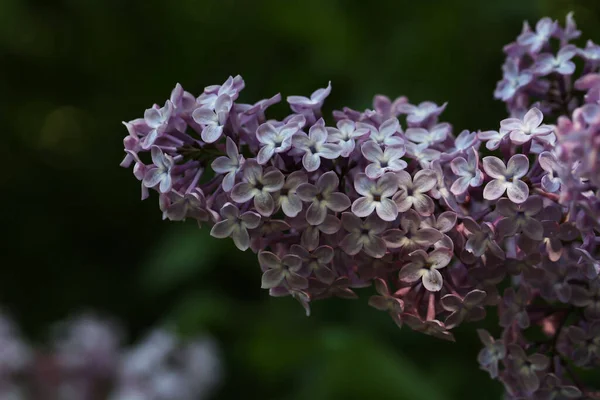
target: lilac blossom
<point>363,235</point>
<point>323,197</point>
<point>522,131</point>
<point>382,161</point>
<point>345,136</point>
<point>506,178</point>
<point>281,271</point>
<point>229,165</point>
<point>236,225</point>
<point>258,186</point>
<point>426,267</point>
<point>276,139</point>
<point>315,102</point>
<point>412,192</point>
<point>157,120</point>
<point>314,146</point>
<point>561,63</point>
<point>385,135</point>
<point>468,172</point>
<point>159,174</point>
<point>418,114</point>
<point>376,196</point>
<point>405,205</point>
<point>213,119</point>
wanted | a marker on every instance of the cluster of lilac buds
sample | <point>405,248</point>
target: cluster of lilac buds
<point>85,360</point>
<point>441,224</point>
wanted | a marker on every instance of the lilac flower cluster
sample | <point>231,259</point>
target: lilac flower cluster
<point>437,221</point>
<point>85,360</point>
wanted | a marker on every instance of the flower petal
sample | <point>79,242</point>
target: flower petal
<point>494,189</point>
<point>494,167</point>
<point>433,281</point>
<point>517,191</point>
<point>363,207</point>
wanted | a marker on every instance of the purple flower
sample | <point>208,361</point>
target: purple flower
<point>522,131</point>
<point>586,343</point>
<point>412,191</point>
<point>157,119</point>
<point>561,63</point>
<point>317,261</point>
<point>276,139</point>
<point>258,186</point>
<point>314,146</point>
<point>386,134</point>
<point>386,302</point>
<point>178,207</point>
<point>526,367</point>
<point>235,225</point>
<point>345,135</point>
<point>231,88</point>
<point>323,196</point>
<point>426,110</point>
<point>591,52</point>
<point>514,307</point>
<point>435,135</point>
<point>552,388</point>
<point>301,103</point>
<point>382,161</point>
<point>160,173</point>
<point>288,198</point>
<point>376,196</point>
<point>549,163</point>
<point>285,271</point>
<point>425,267</point>
<point>519,218</point>
<point>229,165</point>
<point>464,141</point>
<point>422,153</point>
<point>411,235</point>
<point>588,298</point>
<point>512,81</point>
<point>506,178</point>
<point>468,172</point>
<point>481,238</point>
<point>363,235</point>
<point>493,352</point>
<point>468,308</point>
<point>212,120</point>
<point>536,40</point>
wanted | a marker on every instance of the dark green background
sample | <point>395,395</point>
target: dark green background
<point>76,235</point>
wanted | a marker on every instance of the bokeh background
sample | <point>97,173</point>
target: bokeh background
<point>75,235</point>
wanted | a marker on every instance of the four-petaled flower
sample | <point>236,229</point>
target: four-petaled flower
<point>506,178</point>
<point>235,225</point>
<point>425,267</point>
<point>302,103</point>
<point>258,186</point>
<point>519,218</point>
<point>287,198</point>
<point>345,136</point>
<point>317,261</point>
<point>386,302</point>
<point>376,196</point>
<point>411,235</point>
<point>468,172</point>
<point>386,134</point>
<point>411,192</point>
<point>323,196</point>
<point>493,352</point>
<point>276,138</point>
<point>522,131</point>
<point>282,271</point>
<point>382,161</point>
<point>513,80</point>
<point>363,235</point>
<point>160,173</point>
<point>536,40</point>
<point>213,120</point>
<point>432,136</point>
<point>526,367</point>
<point>420,113</point>
<point>229,165</point>
<point>547,63</point>
<point>481,238</point>
<point>157,119</point>
<point>314,146</point>
<point>469,308</point>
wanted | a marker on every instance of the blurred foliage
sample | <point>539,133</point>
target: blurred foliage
<point>78,236</point>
